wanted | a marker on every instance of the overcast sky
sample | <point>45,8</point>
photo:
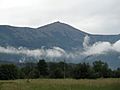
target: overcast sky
<point>93,16</point>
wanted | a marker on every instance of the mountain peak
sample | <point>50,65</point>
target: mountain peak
<point>60,26</point>
<point>57,22</point>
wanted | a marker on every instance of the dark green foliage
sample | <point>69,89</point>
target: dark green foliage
<point>8,71</point>
<point>56,70</point>
<point>29,71</point>
<point>82,71</point>
<point>117,73</point>
<point>101,69</point>
<point>57,73</point>
<point>42,68</point>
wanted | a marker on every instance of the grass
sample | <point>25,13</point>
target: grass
<point>61,84</point>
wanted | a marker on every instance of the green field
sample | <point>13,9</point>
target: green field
<point>61,84</point>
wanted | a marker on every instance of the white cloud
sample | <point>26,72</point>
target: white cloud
<point>86,42</point>
<point>97,48</point>
<point>55,52</point>
<point>102,48</point>
<point>89,15</point>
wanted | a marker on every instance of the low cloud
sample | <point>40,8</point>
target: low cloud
<point>100,47</point>
<point>56,53</point>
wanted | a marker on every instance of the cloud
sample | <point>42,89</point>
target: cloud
<point>57,53</point>
<point>54,52</point>
<point>86,42</point>
<point>92,16</point>
<point>101,47</point>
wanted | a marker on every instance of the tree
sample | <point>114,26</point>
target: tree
<point>42,68</point>
<point>82,70</point>
<point>8,72</point>
<point>63,67</point>
<point>29,71</point>
<point>57,73</point>
<point>56,70</point>
<point>101,69</point>
<point>117,73</point>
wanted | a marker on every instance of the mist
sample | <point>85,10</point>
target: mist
<point>55,53</point>
<point>100,47</point>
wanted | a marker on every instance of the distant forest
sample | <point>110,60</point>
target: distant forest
<point>56,70</point>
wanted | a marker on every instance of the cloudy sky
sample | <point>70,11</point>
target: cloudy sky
<point>93,16</point>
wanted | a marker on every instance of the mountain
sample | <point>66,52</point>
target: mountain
<point>56,34</point>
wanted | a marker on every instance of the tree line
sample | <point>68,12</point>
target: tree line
<point>55,70</point>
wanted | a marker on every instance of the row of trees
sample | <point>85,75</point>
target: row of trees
<point>58,70</point>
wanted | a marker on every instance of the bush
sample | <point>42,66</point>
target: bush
<point>8,71</point>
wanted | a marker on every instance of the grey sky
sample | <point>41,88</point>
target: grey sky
<point>93,16</point>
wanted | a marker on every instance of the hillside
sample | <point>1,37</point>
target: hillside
<point>56,34</point>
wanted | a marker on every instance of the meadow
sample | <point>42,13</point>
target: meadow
<point>61,84</point>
